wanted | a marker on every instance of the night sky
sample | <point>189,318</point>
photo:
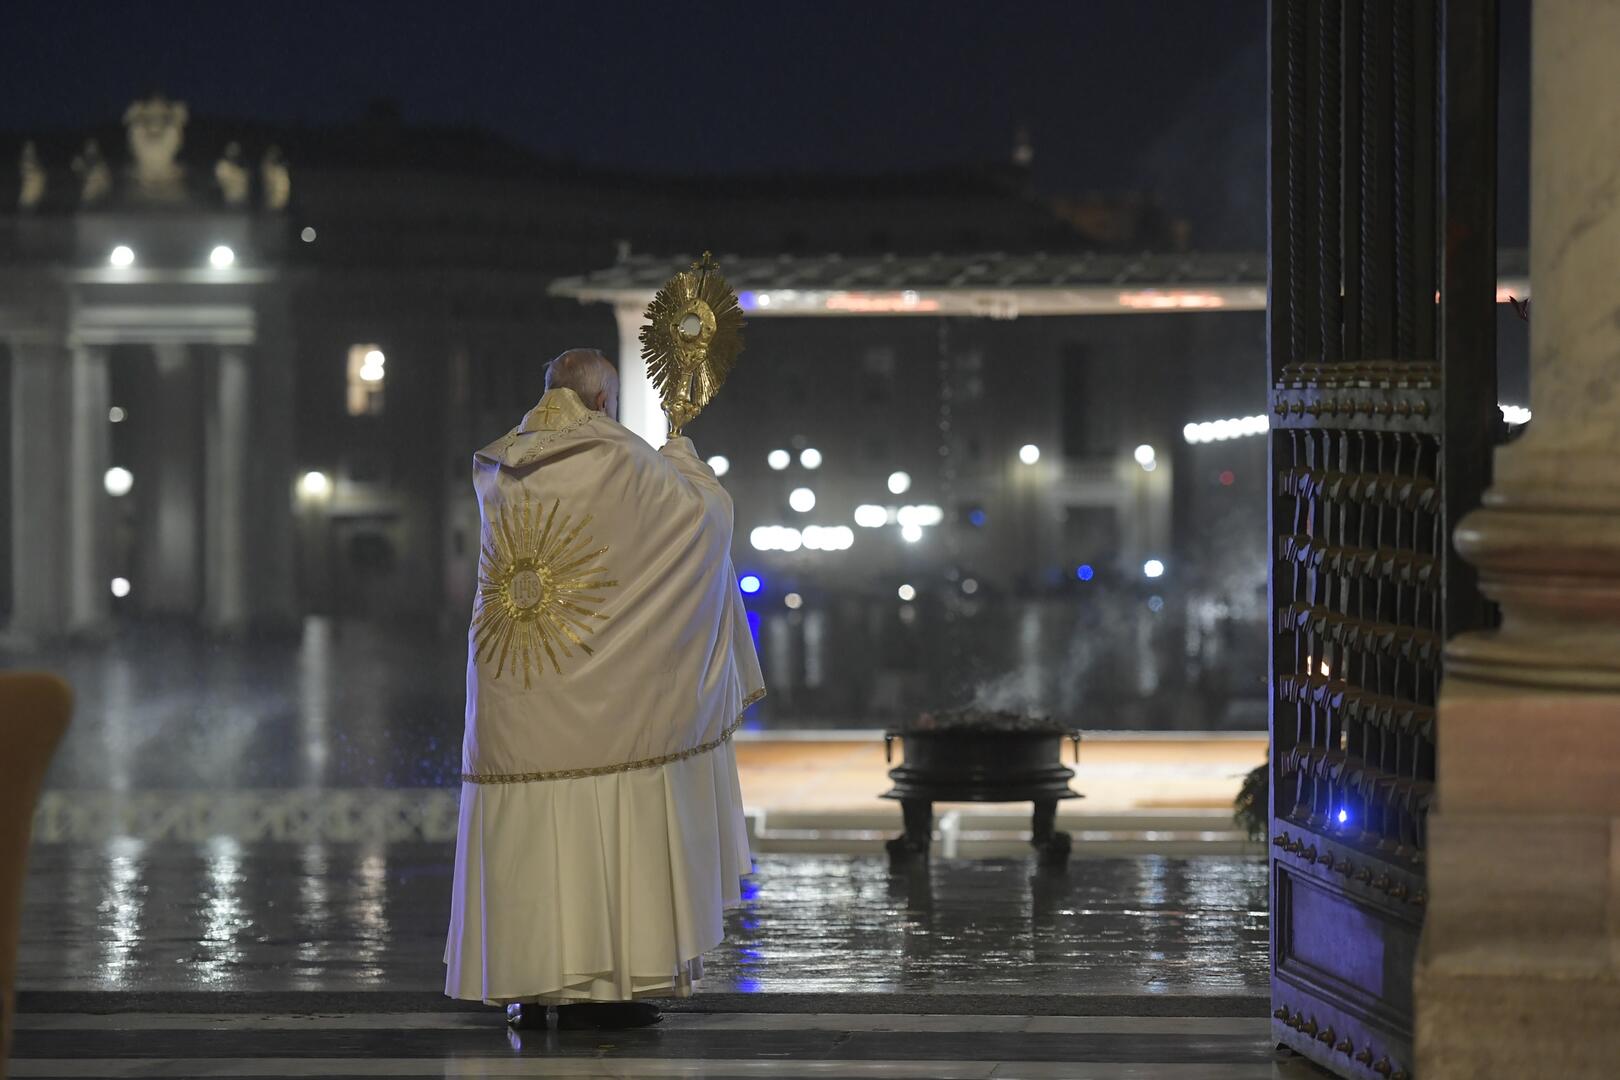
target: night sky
<point>756,87</point>
<point>1161,97</point>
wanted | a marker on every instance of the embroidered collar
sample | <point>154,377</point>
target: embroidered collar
<point>558,413</point>
<point>558,410</point>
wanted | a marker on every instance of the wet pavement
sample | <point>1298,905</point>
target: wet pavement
<point>235,880</point>
<point>153,917</point>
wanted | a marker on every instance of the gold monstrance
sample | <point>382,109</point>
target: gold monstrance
<point>692,339</point>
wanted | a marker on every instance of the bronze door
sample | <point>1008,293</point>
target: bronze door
<point>1383,409</point>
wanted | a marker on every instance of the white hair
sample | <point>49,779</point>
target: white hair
<point>587,372</point>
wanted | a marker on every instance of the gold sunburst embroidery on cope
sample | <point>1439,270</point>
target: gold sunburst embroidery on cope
<point>540,587</point>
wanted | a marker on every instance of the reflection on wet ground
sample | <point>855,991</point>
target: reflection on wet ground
<point>152,917</point>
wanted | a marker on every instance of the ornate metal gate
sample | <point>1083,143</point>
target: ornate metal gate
<point>1383,409</point>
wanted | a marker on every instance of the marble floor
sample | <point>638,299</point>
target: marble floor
<point>177,1046</point>
<point>322,960</point>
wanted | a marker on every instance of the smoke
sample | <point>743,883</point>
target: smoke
<point>1066,659</point>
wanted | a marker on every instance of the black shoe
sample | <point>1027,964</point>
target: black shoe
<point>607,1016</point>
<point>530,1017</point>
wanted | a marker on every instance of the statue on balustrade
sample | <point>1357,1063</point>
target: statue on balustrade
<point>232,176</point>
<point>31,188</point>
<point>275,180</point>
<point>157,130</point>
<point>95,178</point>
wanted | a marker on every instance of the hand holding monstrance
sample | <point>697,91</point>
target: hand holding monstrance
<point>691,341</point>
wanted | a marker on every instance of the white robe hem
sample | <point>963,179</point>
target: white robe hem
<point>603,888</point>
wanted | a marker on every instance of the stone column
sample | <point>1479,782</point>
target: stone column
<point>39,518</point>
<point>639,407</point>
<point>170,559</point>
<point>225,594</point>
<point>88,450</point>
<point>1519,969</point>
<point>271,463</point>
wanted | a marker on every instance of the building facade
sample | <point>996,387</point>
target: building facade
<point>247,368</point>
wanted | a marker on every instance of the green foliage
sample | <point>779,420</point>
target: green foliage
<point>1251,808</point>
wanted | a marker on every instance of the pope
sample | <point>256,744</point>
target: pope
<point>609,661</point>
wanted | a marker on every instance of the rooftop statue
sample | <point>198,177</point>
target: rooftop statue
<point>277,184</point>
<point>31,190</point>
<point>95,178</point>
<point>232,176</point>
<point>156,132</point>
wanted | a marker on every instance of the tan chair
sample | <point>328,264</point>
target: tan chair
<point>34,712</point>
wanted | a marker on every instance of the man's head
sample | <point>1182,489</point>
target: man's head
<point>589,374</point>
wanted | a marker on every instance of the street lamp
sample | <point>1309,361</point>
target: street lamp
<point>871,516</point>
<point>314,485</point>
<point>1029,453</point>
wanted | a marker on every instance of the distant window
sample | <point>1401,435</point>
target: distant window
<point>1087,382</point>
<point>367,374</point>
<point>366,467</point>
<point>371,552</point>
<point>879,361</point>
<point>878,367</point>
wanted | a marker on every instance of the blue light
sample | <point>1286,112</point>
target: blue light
<point>978,519</point>
<point>747,300</point>
<point>1155,604</point>
<point>1085,573</point>
<point>1344,816</point>
<point>751,584</point>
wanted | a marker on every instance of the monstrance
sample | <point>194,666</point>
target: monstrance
<point>692,339</point>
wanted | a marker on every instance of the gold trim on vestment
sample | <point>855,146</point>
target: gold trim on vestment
<point>609,770</point>
<point>543,421</point>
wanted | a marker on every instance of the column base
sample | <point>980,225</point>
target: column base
<point>1519,967</point>
<point>1539,1021</point>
